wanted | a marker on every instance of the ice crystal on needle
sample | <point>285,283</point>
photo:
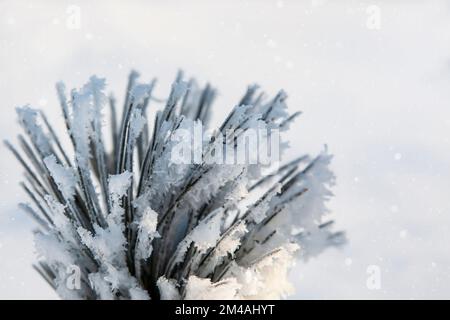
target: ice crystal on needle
<point>160,215</point>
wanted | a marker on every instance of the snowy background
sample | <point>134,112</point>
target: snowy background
<point>379,97</point>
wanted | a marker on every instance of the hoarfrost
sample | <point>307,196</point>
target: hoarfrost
<point>148,226</point>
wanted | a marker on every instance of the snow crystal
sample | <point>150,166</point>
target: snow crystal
<point>118,187</point>
<point>203,289</point>
<point>119,184</point>
<point>64,178</point>
<point>168,289</point>
<point>28,117</point>
<point>206,234</point>
<point>140,92</point>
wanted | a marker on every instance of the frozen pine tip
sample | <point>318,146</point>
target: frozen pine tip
<point>129,222</point>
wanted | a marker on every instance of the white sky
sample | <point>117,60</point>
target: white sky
<point>380,99</point>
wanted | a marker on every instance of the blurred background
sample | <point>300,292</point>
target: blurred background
<point>371,77</point>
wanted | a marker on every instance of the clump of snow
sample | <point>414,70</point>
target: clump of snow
<point>64,178</point>
<point>207,232</point>
<point>118,187</point>
<point>168,289</point>
<point>28,118</point>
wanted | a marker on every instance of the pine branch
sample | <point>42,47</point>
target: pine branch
<point>137,224</point>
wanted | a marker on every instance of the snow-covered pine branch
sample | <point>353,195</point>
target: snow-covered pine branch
<point>137,225</point>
